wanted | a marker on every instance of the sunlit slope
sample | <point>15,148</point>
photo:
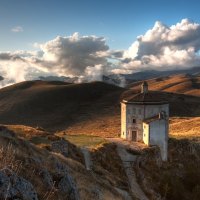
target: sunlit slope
<point>87,108</point>
<point>183,83</point>
<point>187,127</point>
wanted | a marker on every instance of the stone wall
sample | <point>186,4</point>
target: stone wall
<point>129,112</point>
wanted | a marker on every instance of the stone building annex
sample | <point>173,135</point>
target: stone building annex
<point>144,118</point>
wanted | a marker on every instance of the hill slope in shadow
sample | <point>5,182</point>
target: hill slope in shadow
<point>56,105</point>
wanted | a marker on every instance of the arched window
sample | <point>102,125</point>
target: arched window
<point>134,120</point>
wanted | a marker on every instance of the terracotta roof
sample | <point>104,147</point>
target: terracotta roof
<point>150,97</point>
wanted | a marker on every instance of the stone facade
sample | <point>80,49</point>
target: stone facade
<point>144,118</point>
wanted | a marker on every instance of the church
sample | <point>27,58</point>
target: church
<point>145,118</point>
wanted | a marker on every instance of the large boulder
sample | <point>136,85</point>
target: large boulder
<point>60,146</point>
<point>65,183</point>
<point>13,186</point>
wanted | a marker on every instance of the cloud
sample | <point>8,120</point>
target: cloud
<point>75,55</point>
<point>72,55</point>
<point>89,57</point>
<point>164,47</point>
<point>17,29</point>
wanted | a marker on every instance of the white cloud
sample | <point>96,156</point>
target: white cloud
<point>17,29</point>
<point>164,47</point>
<point>83,56</point>
<point>89,57</point>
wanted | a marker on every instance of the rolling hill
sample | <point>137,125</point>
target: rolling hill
<point>55,168</point>
<point>57,105</point>
<point>182,83</point>
<point>89,108</point>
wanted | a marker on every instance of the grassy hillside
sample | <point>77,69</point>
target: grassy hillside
<point>87,108</point>
<point>182,83</point>
<point>61,111</point>
<point>186,127</point>
<point>53,171</point>
<point>56,105</point>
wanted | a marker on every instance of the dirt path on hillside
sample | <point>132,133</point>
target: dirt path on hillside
<point>87,158</point>
<point>128,160</point>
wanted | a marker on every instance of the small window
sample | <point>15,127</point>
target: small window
<point>134,120</point>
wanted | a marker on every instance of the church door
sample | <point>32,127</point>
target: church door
<point>134,135</point>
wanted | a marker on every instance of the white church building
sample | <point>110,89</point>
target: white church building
<point>144,118</point>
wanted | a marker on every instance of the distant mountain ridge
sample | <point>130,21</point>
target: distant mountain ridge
<point>124,79</point>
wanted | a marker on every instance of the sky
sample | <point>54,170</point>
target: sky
<point>94,37</point>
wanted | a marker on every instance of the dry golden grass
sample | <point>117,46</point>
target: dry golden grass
<point>26,131</point>
<point>90,109</point>
<point>32,161</point>
<point>182,83</point>
<point>107,126</point>
<point>186,127</point>
<point>56,105</point>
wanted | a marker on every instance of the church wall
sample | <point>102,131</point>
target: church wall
<point>123,120</point>
<point>134,112</point>
<point>146,133</point>
<point>139,113</point>
<point>158,131</point>
<point>152,110</point>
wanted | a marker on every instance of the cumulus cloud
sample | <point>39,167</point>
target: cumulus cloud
<point>72,55</point>
<point>88,57</point>
<point>82,56</point>
<point>164,47</point>
<point>17,29</point>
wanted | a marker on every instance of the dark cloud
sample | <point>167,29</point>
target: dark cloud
<point>9,56</point>
<point>117,54</point>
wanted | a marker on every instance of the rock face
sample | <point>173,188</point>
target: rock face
<point>61,147</point>
<point>15,187</point>
<point>67,186</point>
<point>66,183</point>
<point>46,178</point>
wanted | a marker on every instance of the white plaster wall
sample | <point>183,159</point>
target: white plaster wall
<point>152,110</point>
<point>123,120</point>
<point>139,112</point>
<point>146,133</point>
<point>159,136</point>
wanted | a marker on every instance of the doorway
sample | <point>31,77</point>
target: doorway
<point>134,135</point>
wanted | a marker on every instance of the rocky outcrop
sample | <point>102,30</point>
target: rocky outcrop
<point>60,146</point>
<point>65,182</point>
<point>13,186</point>
<point>46,178</point>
